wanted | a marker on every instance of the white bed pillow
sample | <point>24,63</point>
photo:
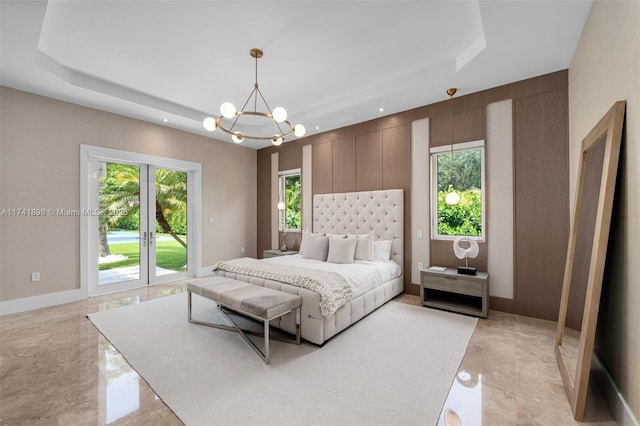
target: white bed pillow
<point>316,247</point>
<point>364,246</point>
<point>382,250</point>
<point>305,238</point>
<point>341,250</point>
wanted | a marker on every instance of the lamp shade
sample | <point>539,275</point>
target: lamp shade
<point>228,110</point>
<point>279,114</point>
<point>299,130</point>
<point>237,137</point>
<point>452,198</point>
<point>209,124</point>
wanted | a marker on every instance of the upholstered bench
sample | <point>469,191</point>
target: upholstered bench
<point>260,303</point>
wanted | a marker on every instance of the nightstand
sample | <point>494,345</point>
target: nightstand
<point>276,253</point>
<point>467,294</point>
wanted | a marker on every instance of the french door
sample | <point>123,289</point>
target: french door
<point>140,222</point>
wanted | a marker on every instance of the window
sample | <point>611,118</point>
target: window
<point>289,203</point>
<point>467,177</point>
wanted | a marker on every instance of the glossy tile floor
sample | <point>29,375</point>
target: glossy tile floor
<point>56,369</point>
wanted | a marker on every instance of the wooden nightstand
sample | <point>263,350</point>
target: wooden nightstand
<point>276,253</point>
<point>467,294</point>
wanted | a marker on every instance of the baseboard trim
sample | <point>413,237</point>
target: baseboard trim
<point>24,304</point>
<point>617,404</point>
<point>503,305</point>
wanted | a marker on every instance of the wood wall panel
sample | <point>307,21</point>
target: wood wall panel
<point>263,240</point>
<point>396,174</point>
<point>467,126</point>
<point>290,158</point>
<point>322,160</point>
<point>368,161</point>
<point>541,186</point>
<point>540,125</point>
<point>396,158</point>
<point>344,165</point>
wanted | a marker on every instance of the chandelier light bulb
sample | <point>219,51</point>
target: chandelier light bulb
<point>279,114</point>
<point>452,198</point>
<point>210,124</point>
<point>299,130</point>
<point>276,140</point>
<point>228,110</point>
<point>238,137</point>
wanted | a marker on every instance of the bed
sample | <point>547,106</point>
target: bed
<point>380,213</point>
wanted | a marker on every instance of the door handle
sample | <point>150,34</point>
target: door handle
<point>144,239</point>
<point>150,238</point>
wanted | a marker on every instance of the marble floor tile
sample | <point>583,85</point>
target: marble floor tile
<point>55,368</point>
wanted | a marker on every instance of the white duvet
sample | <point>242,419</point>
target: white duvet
<point>362,275</point>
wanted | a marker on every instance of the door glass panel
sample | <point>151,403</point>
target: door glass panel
<point>119,223</point>
<point>170,222</point>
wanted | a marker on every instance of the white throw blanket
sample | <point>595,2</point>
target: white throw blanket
<point>333,288</point>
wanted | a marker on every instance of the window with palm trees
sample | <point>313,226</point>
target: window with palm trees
<point>119,221</point>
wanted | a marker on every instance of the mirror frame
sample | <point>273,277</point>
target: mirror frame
<point>610,126</point>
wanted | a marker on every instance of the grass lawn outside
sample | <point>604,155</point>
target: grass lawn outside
<point>169,255</point>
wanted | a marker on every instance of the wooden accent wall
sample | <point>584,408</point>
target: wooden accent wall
<point>343,159</point>
<point>263,240</point>
<point>541,184</point>
<point>377,155</point>
<point>322,165</point>
<point>467,126</point>
<point>369,165</point>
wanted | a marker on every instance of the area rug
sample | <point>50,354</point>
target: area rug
<point>394,367</point>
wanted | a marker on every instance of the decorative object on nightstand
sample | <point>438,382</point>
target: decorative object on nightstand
<point>466,253</point>
<point>277,252</point>
<point>455,292</point>
<point>284,247</point>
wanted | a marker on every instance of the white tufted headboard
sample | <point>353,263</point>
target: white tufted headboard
<point>380,212</point>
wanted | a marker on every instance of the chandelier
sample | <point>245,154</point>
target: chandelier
<point>229,116</point>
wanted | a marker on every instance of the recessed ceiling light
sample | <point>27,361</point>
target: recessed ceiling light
<point>381,109</point>
<point>166,120</point>
<point>317,127</point>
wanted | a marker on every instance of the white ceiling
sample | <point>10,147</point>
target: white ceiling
<point>329,63</point>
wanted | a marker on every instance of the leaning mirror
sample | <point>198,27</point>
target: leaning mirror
<point>586,255</point>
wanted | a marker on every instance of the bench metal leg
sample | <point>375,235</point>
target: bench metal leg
<point>243,333</point>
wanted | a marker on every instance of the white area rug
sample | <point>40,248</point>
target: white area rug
<point>394,367</point>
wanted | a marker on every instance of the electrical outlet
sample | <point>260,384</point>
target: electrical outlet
<point>35,276</point>
<point>419,234</point>
<point>420,266</point>
<point>242,249</point>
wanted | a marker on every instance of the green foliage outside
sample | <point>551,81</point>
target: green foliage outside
<point>293,202</point>
<point>462,219</point>
<point>466,178</point>
<point>467,170</point>
<point>169,255</point>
